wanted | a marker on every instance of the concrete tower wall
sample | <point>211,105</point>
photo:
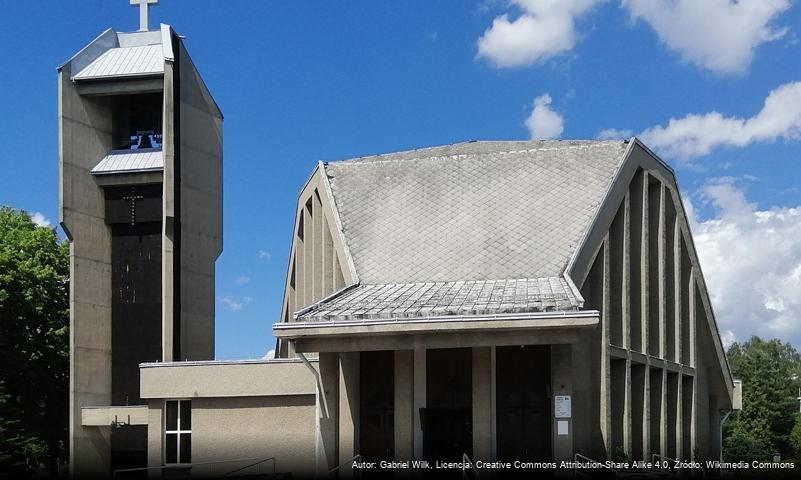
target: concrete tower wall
<point>192,224</point>
<point>84,125</point>
<point>193,207</point>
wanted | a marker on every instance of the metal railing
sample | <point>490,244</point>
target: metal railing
<point>197,469</point>
<point>336,469</point>
<point>467,466</point>
<point>605,471</point>
<point>255,464</point>
<point>664,464</point>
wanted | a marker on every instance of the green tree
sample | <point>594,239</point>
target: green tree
<point>795,437</point>
<point>769,371</point>
<point>34,343</point>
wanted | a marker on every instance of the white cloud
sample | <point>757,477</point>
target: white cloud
<point>544,123</point>
<point>544,29</point>
<point>698,134</point>
<point>718,35</point>
<point>235,303</point>
<point>263,255</point>
<point>751,260</point>
<point>242,280</point>
<point>269,355</point>
<point>39,219</point>
<point>614,134</point>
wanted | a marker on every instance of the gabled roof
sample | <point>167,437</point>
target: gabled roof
<point>414,300</point>
<point>471,211</point>
<point>130,161</point>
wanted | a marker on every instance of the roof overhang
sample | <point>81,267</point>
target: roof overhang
<point>443,324</point>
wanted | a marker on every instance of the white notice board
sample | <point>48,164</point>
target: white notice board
<point>562,406</point>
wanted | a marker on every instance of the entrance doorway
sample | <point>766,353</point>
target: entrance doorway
<point>377,405</point>
<point>523,416</point>
<point>448,416</point>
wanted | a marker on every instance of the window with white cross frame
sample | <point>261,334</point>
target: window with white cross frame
<point>178,432</point>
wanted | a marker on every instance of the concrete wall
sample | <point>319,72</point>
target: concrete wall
<point>84,137</point>
<point>262,409</point>
<point>649,373</point>
<point>241,379</point>
<point>200,182</point>
<point>319,261</point>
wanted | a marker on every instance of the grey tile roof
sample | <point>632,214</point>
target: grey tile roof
<point>415,300</point>
<point>130,161</point>
<point>125,62</point>
<point>471,211</point>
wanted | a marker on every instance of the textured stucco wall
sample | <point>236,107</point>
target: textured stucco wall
<point>256,427</point>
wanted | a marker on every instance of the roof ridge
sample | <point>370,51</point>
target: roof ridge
<point>565,146</point>
<point>504,279</point>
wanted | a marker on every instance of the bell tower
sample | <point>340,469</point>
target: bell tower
<point>140,163</point>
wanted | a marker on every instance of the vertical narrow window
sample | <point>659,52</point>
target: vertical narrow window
<point>178,432</point>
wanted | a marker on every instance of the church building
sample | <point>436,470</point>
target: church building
<point>492,301</point>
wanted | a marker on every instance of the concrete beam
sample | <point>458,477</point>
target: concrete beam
<point>105,416</point>
<point>242,379</point>
<point>435,340</point>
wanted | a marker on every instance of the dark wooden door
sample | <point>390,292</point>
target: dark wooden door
<point>377,405</point>
<point>448,416</point>
<point>523,408</point>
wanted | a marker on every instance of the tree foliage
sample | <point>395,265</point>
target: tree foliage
<point>795,437</point>
<point>770,374</point>
<point>34,343</point>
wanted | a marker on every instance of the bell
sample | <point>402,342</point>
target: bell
<point>144,141</point>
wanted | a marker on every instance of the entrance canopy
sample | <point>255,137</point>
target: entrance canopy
<point>394,316</point>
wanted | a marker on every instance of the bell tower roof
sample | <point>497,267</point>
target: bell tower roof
<point>119,55</point>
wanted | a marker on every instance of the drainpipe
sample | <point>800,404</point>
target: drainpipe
<point>318,380</point>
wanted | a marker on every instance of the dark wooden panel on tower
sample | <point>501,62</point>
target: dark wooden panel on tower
<point>134,213</point>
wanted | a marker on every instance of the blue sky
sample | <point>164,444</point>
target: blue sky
<point>303,81</point>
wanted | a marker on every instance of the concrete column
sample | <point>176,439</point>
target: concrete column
<point>680,420</point>
<point>561,384</point>
<point>482,404</point>
<point>644,268</point>
<point>419,399</point>
<point>348,410</point>
<point>605,404</point>
<point>308,256</point>
<point>663,415</point>
<point>627,411</point>
<point>155,437</point>
<point>625,309</point>
<point>692,319</point>
<point>662,274</point>
<point>678,287</point>
<point>494,402</point>
<point>317,267</point>
<point>328,421</point>
<point>300,262</point>
<point>91,455</point>
<point>646,417</point>
<point>404,405</point>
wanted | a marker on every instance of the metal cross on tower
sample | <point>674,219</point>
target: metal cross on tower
<point>133,198</point>
<point>144,7</point>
